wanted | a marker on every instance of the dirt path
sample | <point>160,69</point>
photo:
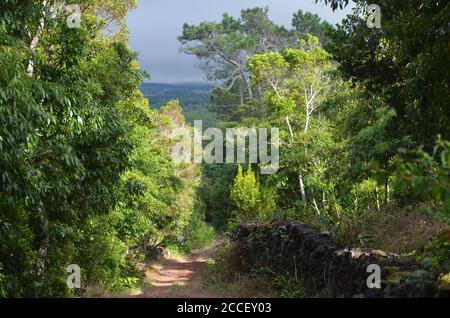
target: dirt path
<point>181,278</point>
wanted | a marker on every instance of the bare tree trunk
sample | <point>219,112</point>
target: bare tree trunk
<point>306,130</point>
<point>386,192</point>
<point>300,176</point>
<point>291,132</point>
<point>44,242</point>
<point>35,41</point>
<point>302,187</point>
<point>377,198</point>
<point>250,92</point>
<point>307,120</point>
<point>247,83</point>
<point>249,88</point>
<point>316,207</point>
<point>324,200</point>
<point>241,92</point>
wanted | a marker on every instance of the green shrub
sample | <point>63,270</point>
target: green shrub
<point>85,170</point>
<point>426,176</point>
<point>102,256</point>
<point>198,235</point>
<point>2,283</point>
<point>254,202</point>
<point>214,191</point>
<point>438,252</point>
<point>289,286</point>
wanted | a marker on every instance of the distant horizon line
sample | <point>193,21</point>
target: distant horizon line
<point>179,83</point>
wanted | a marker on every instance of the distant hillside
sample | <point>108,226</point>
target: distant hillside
<point>192,96</point>
<point>194,99</point>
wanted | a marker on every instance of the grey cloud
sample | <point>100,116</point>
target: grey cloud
<point>155,25</point>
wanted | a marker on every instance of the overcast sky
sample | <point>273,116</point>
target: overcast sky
<point>156,24</point>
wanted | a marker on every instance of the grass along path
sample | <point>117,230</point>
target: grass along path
<point>178,276</point>
<point>181,277</point>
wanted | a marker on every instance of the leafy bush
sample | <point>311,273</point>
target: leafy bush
<point>289,286</point>
<point>198,234</point>
<point>2,283</point>
<point>438,252</point>
<point>254,202</point>
<point>85,170</point>
<point>63,144</point>
<point>109,266</point>
<point>425,175</point>
<point>215,188</point>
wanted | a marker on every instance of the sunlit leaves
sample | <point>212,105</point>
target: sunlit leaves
<point>63,144</point>
<point>427,175</point>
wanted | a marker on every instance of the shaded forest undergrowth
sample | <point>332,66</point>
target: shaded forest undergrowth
<point>277,260</point>
<point>87,175</point>
<point>175,276</point>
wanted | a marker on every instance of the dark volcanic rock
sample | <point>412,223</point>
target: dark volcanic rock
<point>324,266</point>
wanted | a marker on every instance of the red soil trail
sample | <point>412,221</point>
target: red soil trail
<point>181,278</point>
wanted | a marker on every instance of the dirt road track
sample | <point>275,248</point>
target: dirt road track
<point>181,278</point>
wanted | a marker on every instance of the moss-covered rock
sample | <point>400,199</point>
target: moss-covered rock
<point>325,267</point>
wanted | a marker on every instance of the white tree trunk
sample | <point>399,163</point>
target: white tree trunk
<point>316,207</point>
<point>386,192</point>
<point>300,177</point>
<point>302,187</point>
<point>241,92</point>
<point>307,120</point>
<point>377,198</point>
<point>291,132</point>
<point>35,41</point>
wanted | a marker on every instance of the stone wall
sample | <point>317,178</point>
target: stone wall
<point>325,267</point>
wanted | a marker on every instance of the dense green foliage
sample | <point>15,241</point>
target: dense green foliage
<point>85,170</point>
<point>253,201</point>
<point>404,63</point>
<point>359,120</point>
<point>223,48</point>
<point>86,175</point>
<point>363,115</point>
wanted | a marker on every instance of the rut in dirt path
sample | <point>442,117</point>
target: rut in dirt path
<point>181,278</point>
